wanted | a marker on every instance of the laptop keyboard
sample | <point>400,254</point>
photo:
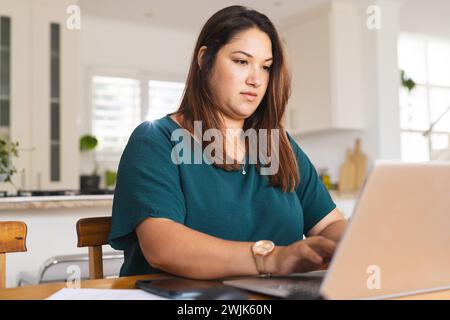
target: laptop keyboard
<point>290,287</point>
<point>301,289</point>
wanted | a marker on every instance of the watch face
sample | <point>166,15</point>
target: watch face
<point>263,247</point>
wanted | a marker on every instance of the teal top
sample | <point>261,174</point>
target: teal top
<point>224,204</point>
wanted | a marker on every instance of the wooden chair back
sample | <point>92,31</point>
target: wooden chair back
<point>13,235</point>
<point>93,233</point>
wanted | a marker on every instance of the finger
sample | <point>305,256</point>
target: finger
<point>309,254</point>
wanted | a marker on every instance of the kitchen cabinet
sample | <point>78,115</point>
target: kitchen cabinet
<point>45,93</point>
<point>15,66</point>
<point>325,55</point>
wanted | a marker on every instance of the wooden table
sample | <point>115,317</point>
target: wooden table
<point>43,291</point>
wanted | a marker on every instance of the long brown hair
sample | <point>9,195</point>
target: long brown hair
<point>198,103</point>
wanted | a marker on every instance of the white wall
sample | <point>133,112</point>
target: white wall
<point>108,43</point>
<point>426,17</point>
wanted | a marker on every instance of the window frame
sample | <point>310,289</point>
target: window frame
<point>427,86</point>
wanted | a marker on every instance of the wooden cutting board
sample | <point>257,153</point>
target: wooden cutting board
<point>360,165</point>
<point>347,173</point>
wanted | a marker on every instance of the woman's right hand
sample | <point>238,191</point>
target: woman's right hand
<point>302,256</point>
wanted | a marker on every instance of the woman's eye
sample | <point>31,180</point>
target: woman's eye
<point>242,62</point>
<point>245,62</point>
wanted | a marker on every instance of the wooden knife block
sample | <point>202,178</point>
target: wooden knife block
<point>353,171</point>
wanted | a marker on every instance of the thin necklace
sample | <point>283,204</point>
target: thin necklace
<point>245,160</point>
<point>243,165</point>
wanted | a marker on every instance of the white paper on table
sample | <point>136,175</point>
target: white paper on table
<point>103,294</point>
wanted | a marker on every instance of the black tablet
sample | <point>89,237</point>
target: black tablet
<point>181,288</point>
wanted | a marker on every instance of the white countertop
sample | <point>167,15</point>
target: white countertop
<point>44,202</point>
<point>105,200</point>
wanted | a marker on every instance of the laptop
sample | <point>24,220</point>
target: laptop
<point>397,242</point>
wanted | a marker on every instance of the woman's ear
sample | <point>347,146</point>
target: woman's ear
<point>200,54</point>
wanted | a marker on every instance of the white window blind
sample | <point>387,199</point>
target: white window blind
<point>119,105</point>
<point>163,97</point>
<point>116,111</point>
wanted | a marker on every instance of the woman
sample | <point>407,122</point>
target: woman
<point>221,219</point>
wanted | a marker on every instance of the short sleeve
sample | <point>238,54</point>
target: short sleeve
<point>148,185</point>
<point>314,197</point>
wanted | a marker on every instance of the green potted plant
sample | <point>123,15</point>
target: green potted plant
<point>8,150</point>
<point>110,179</point>
<point>89,181</point>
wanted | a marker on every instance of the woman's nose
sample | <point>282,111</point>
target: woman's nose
<point>254,78</point>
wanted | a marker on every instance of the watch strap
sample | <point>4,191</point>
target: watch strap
<point>260,264</point>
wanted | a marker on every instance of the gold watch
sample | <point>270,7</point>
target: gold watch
<point>261,250</point>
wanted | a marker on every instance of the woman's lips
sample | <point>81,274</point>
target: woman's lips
<point>249,96</point>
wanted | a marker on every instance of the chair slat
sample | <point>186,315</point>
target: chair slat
<point>93,231</point>
<point>13,236</point>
